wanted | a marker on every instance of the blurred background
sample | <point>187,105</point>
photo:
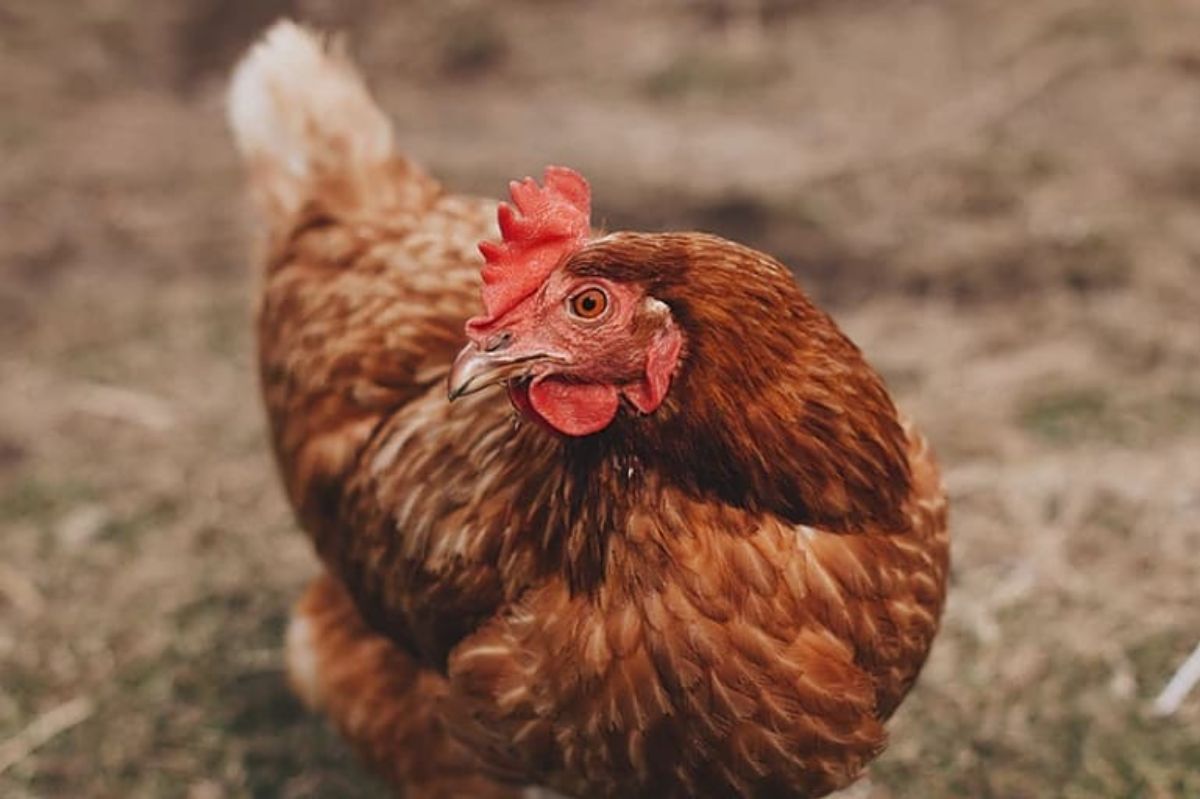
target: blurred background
<point>997,199</point>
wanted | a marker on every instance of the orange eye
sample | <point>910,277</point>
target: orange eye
<point>589,303</point>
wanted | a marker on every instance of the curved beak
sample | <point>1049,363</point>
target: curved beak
<point>474,369</point>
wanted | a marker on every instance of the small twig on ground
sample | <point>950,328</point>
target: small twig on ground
<point>125,405</point>
<point>43,729</point>
<point>1179,686</point>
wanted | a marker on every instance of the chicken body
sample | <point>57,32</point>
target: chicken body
<point>725,597</point>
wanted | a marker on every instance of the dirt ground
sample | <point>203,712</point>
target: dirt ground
<point>997,199</point>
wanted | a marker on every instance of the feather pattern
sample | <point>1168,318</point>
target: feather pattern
<point>726,597</point>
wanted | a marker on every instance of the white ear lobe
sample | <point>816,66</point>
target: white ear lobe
<point>657,308</point>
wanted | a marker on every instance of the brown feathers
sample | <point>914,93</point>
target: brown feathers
<point>380,699</point>
<point>725,597</point>
<point>774,408</point>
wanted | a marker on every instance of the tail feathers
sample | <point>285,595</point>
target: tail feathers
<point>300,112</point>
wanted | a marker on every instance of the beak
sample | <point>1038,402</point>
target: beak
<point>475,369</point>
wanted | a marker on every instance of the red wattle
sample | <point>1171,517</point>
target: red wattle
<point>574,409</point>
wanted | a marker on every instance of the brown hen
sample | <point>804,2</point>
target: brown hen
<point>670,538</point>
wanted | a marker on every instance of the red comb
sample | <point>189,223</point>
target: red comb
<point>541,227</point>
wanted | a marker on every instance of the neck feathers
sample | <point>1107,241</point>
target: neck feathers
<point>773,409</point>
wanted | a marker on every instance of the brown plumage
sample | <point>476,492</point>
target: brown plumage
<point>711,560</point>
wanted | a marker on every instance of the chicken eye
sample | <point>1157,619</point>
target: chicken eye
<point>589,303</point>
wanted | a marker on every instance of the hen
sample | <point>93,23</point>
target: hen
<point>669,537</point>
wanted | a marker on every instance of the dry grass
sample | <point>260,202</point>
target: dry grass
<point>997,199</point>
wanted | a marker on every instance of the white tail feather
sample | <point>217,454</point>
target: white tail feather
<point>299,110</point>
